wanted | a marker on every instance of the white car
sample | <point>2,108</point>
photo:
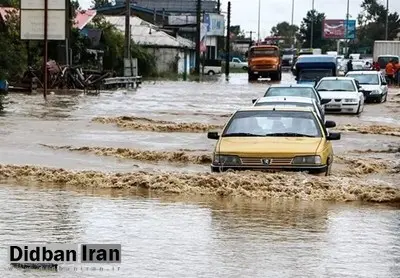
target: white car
<point>341,94</point>
<point>373,84</point>
<point>292,102</point>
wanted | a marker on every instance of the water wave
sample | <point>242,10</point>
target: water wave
<point>246,184</point>
<point>143,155</point>
<point>145,124</point>
<point>371,129</point>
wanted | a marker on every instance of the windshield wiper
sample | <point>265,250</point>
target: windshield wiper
<point>289,134</point>
<point>242,134</point>
<point>322,90</point>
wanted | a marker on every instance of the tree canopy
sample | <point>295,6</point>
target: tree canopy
<point>284,29</point>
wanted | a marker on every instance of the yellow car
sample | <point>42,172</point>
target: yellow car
<point>274,139</point>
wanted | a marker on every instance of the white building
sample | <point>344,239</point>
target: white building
<point>168,50</point>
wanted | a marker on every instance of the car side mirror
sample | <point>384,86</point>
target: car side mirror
<point>254,100</point>
<point>330,124</point>
<point>384,83</point>
<point>213,135</point>
<point>325,101</point>
<point>334,136</point>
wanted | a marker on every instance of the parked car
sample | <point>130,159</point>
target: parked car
<point>341,94</point>
<point>277,139</point>
<point>293,90</point>
<point>373,84</point>
<point>292,102</point>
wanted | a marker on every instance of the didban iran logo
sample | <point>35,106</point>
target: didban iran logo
<point>64,253</point>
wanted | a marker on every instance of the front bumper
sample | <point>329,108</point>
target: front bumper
<point>342,107</point>
<point>294,168</point>
<point>372,97</point>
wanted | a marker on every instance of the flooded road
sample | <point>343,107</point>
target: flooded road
<point>150,189</point>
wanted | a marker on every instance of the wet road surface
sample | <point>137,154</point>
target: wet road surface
<point>172,236</point>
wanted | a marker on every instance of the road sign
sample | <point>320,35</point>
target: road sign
<point>336,29</point>
<point>32,25</point>
<point>39,5</point>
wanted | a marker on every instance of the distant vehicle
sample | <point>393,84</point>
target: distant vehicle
<point>296,90</point>
<point>274,139</point>
<point>384,50</point>
<point>211,67</point>
<point>341,94</point>
<point>373,84</point>
<point>237,63</point>
<point>293,102</point>
<point>264,61</point>
<point>311,68</point>
<point>288,57</point>
<point>383,60</point>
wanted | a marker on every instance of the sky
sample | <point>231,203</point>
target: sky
<point>275,11</point>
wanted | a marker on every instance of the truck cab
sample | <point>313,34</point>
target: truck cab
<point>264,61</point>
<point>312,68</point>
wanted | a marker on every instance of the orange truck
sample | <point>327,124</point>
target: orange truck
<point>264,61</point>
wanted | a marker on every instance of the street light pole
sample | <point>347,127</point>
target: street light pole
<point>387,20</point>
<point>293,34</point>
<point>347,24</point>
<point>259,17</point>
<point>312,25</point>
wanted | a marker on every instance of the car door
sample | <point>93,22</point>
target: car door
<point>235,62</point>
<point>360,94</point>
<point>383,84</point>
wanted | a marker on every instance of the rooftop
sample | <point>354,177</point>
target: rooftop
<point>145,33</point>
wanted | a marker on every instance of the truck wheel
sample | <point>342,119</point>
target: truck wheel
<point>252,77</point>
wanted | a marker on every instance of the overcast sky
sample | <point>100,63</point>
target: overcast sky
<point>245,12</point>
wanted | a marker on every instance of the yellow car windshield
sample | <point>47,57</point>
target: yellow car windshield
<point>273,123</point>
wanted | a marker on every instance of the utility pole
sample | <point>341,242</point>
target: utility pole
<point>46,45</point>
<point>347,26</point>
<point>228,42</point>
<point>198,39</point>
<point>292,24</point>
<point>387,20</point>
<point>128,30</point>
<point>312,25</point>
<point>259,18</point>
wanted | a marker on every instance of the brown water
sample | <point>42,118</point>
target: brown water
<point>173,218</point>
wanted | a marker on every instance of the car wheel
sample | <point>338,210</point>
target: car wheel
<point>359,108</point>
<point>211,72</point>
<point>244,68</point>
<point>215,170</point>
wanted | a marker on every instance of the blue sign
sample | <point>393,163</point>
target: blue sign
<point>215,24</point>
<point>351,29</point>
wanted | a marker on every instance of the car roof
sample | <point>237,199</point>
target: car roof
<point>337,78</point>
<point>386,56</point>
<point>291,86</point>
<point>284,99</point>
<point>278,108</point>
<point>363,72</point>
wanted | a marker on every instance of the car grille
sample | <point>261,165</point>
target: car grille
<point>328,99</point>
<point>264,66</point>
<point>338,99</point>
<point>259,161</point>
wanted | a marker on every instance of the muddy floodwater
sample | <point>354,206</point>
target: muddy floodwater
<point>132,167</point>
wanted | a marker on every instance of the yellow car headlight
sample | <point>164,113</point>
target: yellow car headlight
<point>312,159</point>
<point>226,159</point>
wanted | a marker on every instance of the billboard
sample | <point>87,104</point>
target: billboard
<point>336,29</point>
<point>215,24</point>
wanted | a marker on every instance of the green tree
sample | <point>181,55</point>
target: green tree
<point>304,35</point>
<point>237,32</point>
<point>284,29</point>
<point>372,24</point>
<point>13,54</point>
